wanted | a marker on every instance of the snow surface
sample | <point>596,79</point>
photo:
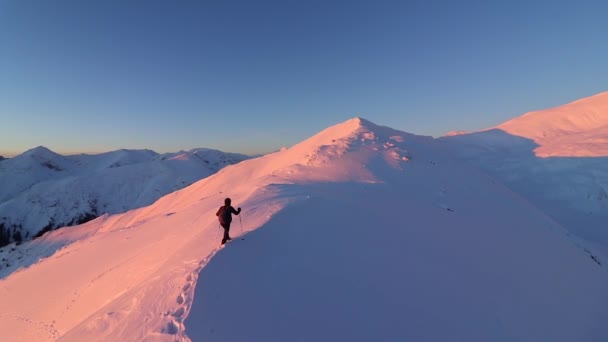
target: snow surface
<point>577,129</point>
<point>359,233</point>
<point>545,156</point>
<point>41,188</point>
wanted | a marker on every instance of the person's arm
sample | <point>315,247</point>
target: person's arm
<point>218,212</point>
<point>235,212</point>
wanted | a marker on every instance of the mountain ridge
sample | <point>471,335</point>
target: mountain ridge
<point>394,249</point>
<point>557,158</point>
<point>575,129</point>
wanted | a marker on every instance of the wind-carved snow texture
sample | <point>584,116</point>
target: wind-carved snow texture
<point>325,154</point>
<point>556,158</point>
<point>354,244</point>
<point>41,190</point>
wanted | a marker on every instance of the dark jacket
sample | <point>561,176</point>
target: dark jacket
<point>225,212</point>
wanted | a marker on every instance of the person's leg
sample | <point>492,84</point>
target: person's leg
<point>226,236</point>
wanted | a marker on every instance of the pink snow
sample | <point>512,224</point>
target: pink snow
<point>359,233</point>
<point>576,129</point>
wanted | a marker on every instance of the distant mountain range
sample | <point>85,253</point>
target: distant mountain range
<point>41,190</point>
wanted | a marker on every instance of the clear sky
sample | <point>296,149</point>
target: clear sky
<point>252,76</point>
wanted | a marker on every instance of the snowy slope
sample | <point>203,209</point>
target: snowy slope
<point>361,233</point>
<point>557,158</point>
<point>577,129</point>
<point>40,188</point>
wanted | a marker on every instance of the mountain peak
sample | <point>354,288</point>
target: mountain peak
<point>42,156</point>
<point>353,128</point>
<point>39,151</point>
<point>347,130</point>
<point>341,152</point>
<point>360,122</point>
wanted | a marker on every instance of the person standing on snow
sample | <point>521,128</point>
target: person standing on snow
<point>224,214</point>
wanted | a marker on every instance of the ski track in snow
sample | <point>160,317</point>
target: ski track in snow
<point>167,316</point>
<point>45,331</point>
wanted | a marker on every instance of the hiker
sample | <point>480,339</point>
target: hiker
<point>224,214</point>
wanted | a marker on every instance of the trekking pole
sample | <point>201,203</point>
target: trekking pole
<point>241,220</point>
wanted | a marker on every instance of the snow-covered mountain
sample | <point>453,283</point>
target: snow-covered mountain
<point>557,158</point>
<point>358,233</point>
<point>576,129</point>
<point>42,190</point>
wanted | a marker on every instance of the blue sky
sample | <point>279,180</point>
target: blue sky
<point>252,76</point>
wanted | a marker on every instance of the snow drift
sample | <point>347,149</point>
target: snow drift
<point>359,233</point>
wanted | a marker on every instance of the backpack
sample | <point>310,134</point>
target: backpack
<point>225,215</point>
